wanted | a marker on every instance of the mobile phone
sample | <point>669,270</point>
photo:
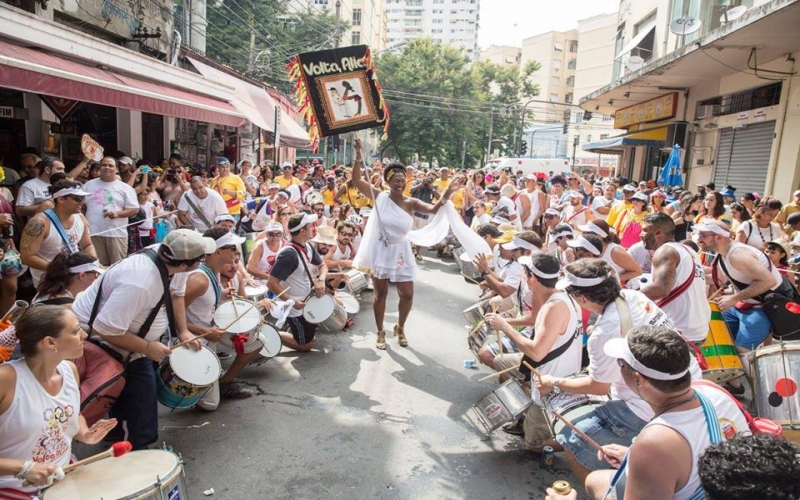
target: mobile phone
<point>171,171</point>
<point>145,169</point>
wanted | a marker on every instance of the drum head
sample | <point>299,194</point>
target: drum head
<point>465,257</point>
<point>318,309</point>
<point>129,476</point>
<point>350,303</point>
<point>271,340</point>
<point>226,313</point>
<point>195,367</point>
<point>255,291</point>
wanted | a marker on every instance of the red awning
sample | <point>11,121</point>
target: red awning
<point>31,70</point>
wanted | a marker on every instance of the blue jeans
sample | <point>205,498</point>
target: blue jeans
<point>136,409</point>
<point>611,423</point>
<point>749,328</point>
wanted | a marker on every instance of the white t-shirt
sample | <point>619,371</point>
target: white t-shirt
<point>642,256</point>
<point>505,202</point>
<point>109,196</point>
<point>511,275</point>
<point>759,237</point>
<point>603,368</point>
<point>599,202</point>
<point>149,210</point>
<point>131,289</point>
<point>212,206</point>
<point>32,192</point>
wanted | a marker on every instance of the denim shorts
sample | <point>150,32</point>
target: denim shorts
<point>749,328</point>
<point>611,423</point>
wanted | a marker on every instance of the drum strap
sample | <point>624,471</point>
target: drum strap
<point>300,254</point>
<point>212,279</point>
<point>56,222</point>
<point>197,211</point>
<point>676,292</point>
<point>555,353</point>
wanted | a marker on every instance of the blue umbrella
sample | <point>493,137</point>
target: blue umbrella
<point>671,173</point>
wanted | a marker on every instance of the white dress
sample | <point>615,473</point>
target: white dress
<point>385,251</point>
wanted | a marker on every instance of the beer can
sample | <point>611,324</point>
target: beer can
<point>561,487</point>
<point>548,457</point>
<point>470,363</point>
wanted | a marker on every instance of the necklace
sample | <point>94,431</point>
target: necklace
<point>762,234</point>
<point>675,405</point>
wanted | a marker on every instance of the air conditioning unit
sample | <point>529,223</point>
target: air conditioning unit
<point>707,111</point>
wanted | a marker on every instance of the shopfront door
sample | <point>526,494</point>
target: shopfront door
<point>152,137</point>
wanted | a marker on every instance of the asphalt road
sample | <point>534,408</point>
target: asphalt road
<point>347,421</point>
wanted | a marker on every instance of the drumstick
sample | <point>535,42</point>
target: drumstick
<point>284,291</point>
<point>117,450</point>
<point>476,327</point>
<point>497,374</point>
<point>716,294</point>
<point>579,432</point>
<point>233,301</point>
<point>181,344</point>
<point>497,332</point>
<point>533,370</point>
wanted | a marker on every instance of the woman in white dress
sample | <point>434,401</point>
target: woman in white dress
<point>385,251</point>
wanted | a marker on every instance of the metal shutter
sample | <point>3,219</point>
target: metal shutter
<point>743,157</point>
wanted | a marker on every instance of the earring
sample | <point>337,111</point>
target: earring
<point>56,349</point>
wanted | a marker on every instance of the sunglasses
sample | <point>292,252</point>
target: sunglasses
<point>346,235</point>
<point>228,247</point>
<point>274,235</point>
<point>319,210</point>
<point>76,198</point>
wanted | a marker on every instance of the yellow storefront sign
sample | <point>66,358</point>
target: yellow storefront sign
<point>657,109</point>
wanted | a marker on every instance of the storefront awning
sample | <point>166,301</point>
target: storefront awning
<point>256,104</point>
<point>655,138</point>
<point>636,40</point>
<point>32,70</point>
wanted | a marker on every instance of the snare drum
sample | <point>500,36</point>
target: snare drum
<point>356,281</point>
<point>468,269</point>
<point>185,376</point>
<point>226,312</point>
<point>140,475</point>
<point>720,351</point>
<point>326,313</point>
<point>350,303</point>
<point>477,338</point>
<point>569,406</point>
<point>502,405</point>
<point>473,314</point>
<point>270,341</point>
<point>776,374</point>
<point>255,292</point>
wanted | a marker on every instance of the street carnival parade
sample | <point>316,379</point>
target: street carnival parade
<point>573,230</point>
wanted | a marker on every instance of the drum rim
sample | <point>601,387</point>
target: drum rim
<point>204,349</point>
<point>252,312</point>
<point>793,345</point>
<point>325,299</point>
<point>159,481</point>
<point>276,333</point>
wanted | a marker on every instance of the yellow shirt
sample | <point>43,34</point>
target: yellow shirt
<point>407,190</point>
<point>354,197</point>
<point>231,183</point>
<point>328,197</point>
<point>442,185</point>
<point>458,199</point>
<point>283,182</point>
<point>616,210</point>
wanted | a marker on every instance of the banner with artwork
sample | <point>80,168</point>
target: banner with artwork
<point>337,91</point>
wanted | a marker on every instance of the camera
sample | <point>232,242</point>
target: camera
<point>171,171</point>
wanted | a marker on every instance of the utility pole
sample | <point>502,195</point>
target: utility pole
<point>251,56</point>
<point>463,152</point>
<point>491,128</point>
<point>337,39</point>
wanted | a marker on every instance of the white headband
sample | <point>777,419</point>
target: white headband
<point>559,234</point>
<point>583,282</point>
<point>582,242</point>
<point>83,268</point>
<point>307,219</point>
<point>69,191</point>
<point>517,242</point>
<point>712,228</point>
<point>596,229</point>
<point>526,261</point>
<point>619,348</point>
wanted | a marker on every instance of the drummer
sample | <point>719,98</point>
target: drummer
<point>555,350</point>
<point>203,294</point>
<point>341,255</point>
<point>679,283</point>
<point>293,268</point>
<point>39,402</point>
<point>324,242</point>
<point>505,285</point>
<point>263,257</point>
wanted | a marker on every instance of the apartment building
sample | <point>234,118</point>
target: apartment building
<point>502,55</point>
<point>366,19</point>
<point>452,22</point>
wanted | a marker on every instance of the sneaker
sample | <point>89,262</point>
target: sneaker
<point>514,429</point>
<point>735,390</point>
<point>232,390</point>
<point>223,355</point>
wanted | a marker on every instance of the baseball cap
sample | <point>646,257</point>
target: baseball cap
<point>286,165</point>
<point>70,191</point>
<point>552,211</point>
<point>575,194</point>
<point>727,193</point>
<point>619,348</point>
<point>639,196</point>
<point>273,185</point>
<point>126,160</point>
<point>629,187</point>
<point>223,161</point>
<point>187,244</point>
<point>517,242</point>
<point>507,237</point>
<point>273,227</point>
<point>222,217</point>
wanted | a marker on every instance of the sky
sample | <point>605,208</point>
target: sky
<point>507,22</point>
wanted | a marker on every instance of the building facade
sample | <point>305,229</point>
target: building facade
<point>502,55</point>
<point>452,22</point>
<point>713,77</point>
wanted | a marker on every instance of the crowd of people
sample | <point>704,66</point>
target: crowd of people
<point>578,272</point>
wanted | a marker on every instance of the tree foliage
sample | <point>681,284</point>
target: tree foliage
<point>444,107</point>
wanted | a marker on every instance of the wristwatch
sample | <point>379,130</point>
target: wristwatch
<point>483,274</point>
<point>557,386</point>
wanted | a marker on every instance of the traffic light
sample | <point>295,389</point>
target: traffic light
<point>523,148</point>
<point>566,127</point>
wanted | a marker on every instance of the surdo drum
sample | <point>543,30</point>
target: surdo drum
<point>502,405</point>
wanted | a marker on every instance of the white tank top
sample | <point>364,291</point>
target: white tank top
<point>738,276</point>
<point>340,255</point>
<point>690,310</point>
<point>607,257</point>
<point>534,198</point>
<point>201,311</point>
<point>266,253</point>
<point>569,362</point>
<point>53,245</point>
<point>38,426</point>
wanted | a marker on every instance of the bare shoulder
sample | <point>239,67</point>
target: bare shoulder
<point>665,254</point>
<point>37,225</point>
<point>8,382</point>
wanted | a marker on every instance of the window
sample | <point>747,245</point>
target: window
<point>568,98</point>
<point>557,64</point>
<point>356,38</point>
<point>553,97</point>
<point>554,80</point>
<point>356,17</point>
<point>558,47</point>
<point>573,46</point>
<point>570,81</point>
<point>572,64</point>
<point>579,117</point>
<point>645,48</point>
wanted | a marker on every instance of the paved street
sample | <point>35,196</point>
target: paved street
<point>348,421</point>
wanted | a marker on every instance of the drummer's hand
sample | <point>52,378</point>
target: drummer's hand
<point>726,302</point>
<point>40,473</point>
<point>156,351</point>
<point>214,334</point>
<point>229,292</point>
<point>299,304</point>
<point>266,304</point>
<point>98,431</point>
<point>545,384</point>
<point>347,264</point>
<point>552,495</point>
<point>195,343</point>
<point>481,262</point>
<point>614,454</point>
<point>319,288</point>
<point>496,321</point>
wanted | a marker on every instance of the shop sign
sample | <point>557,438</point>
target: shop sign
<point>661,108</point>
<point>6,112</point>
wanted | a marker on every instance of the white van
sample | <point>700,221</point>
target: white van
<point>530,165</point>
